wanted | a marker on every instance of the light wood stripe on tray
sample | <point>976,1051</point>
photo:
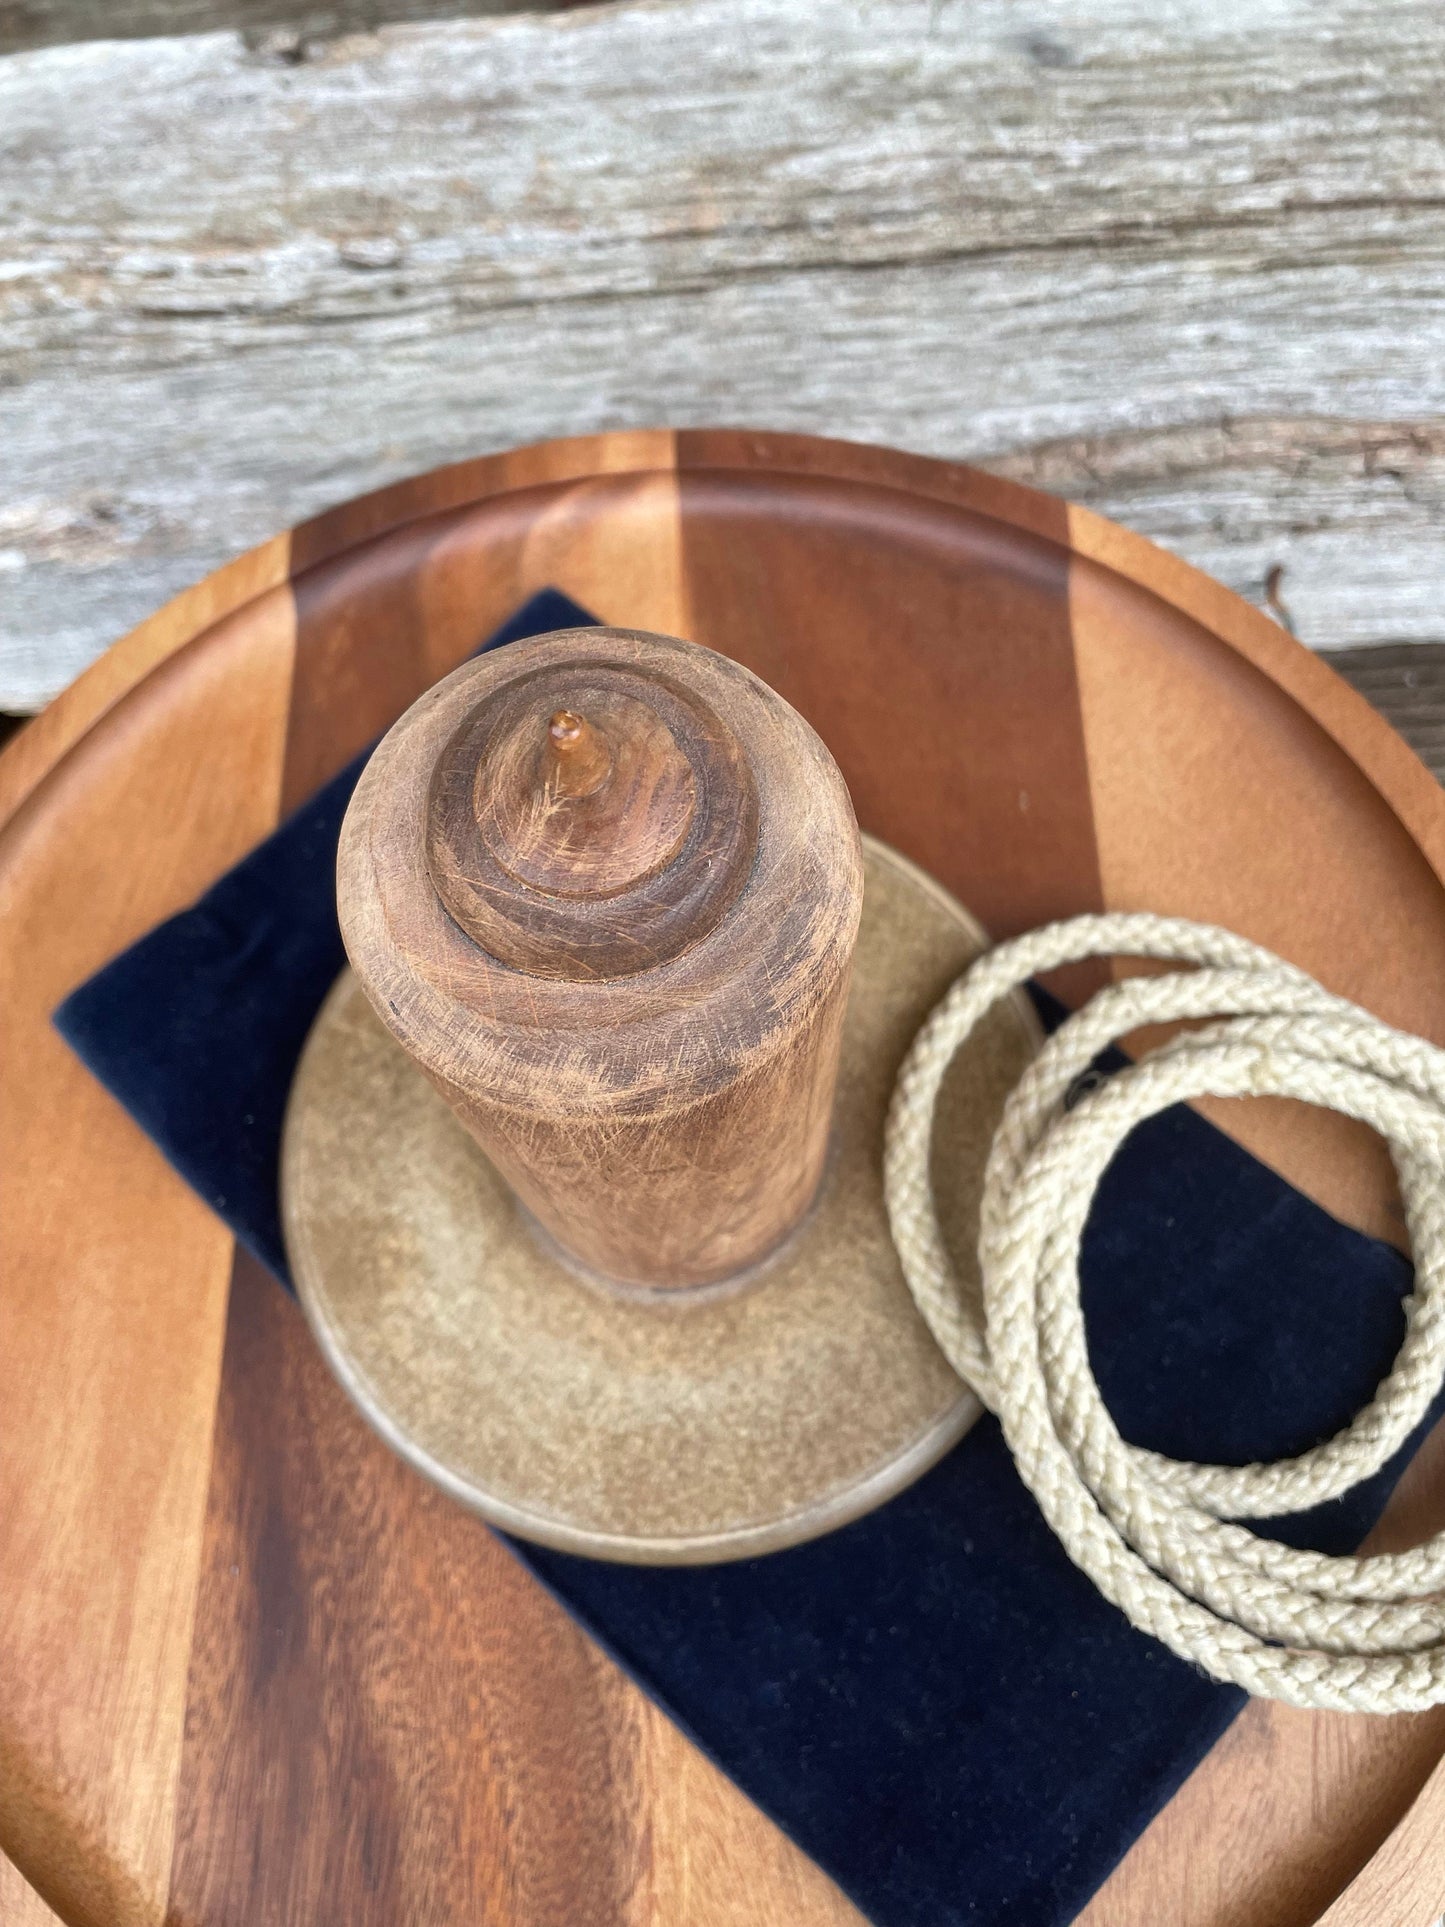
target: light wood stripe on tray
<point>113,1280</point>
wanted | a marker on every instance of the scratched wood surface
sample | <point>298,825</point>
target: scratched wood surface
<point>1180,264</point>
<point>678,1139</point>
<point>254,1670</point>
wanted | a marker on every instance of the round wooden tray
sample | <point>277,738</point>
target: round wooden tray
<point>255,1669</point>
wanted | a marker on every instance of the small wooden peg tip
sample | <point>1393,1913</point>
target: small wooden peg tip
<point>578,760</point>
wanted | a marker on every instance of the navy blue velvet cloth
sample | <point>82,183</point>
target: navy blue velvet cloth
<point>932,1701</point>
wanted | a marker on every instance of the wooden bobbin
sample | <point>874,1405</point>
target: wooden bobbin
<point>604,887</point>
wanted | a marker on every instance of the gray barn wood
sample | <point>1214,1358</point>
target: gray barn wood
<point>1184,264</point>
<point>283,28</point>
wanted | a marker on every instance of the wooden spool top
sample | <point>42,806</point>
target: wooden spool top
<point>613,867</point>
<point>590,818</point>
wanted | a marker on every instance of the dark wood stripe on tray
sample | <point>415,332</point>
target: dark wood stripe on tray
<point>864,605</point>
<point>379,622</point>
<point>388,1720</point>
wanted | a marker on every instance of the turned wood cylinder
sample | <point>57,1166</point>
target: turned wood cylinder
<point>604,887</point>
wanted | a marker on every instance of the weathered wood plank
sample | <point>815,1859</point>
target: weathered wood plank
<point>1406,683</point>
<point>284,29</point>
<point>1183,268</point>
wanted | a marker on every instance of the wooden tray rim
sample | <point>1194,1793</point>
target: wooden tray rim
<point>1401,779</point>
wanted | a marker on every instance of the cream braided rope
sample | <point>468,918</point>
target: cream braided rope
<point>1156,1535</point>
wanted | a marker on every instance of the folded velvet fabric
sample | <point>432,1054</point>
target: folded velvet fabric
<point>932,1701</point>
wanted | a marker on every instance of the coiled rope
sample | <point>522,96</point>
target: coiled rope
<point>1158,1536</point>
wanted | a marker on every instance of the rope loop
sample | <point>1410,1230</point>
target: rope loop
<point>1160,1537</point>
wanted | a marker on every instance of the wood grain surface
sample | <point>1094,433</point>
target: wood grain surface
<point>1184,268</point>
<point>389,1720</point>
<point>110,1329</point>
<point>252,1667</point>
<point>1402,1885</point>
<point>20,1905</point>
<point>632,998</point>
<point>279,30</point>
<point>1406,684</point>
